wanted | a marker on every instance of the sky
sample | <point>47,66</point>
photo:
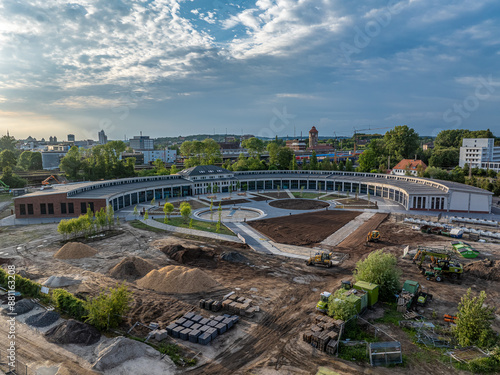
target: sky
<point>266,67</point>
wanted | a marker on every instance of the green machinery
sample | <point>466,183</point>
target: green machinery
<point>441,265</point>
<point>362,295</point>
<point>322,304</point>
<point>4,186</point>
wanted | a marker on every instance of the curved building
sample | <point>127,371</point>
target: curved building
<point>412,193</point>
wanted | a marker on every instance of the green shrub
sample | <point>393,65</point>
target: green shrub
<point>68,303</point>
<point>25,286</point>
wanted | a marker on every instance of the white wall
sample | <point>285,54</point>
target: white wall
<point>459,201</point>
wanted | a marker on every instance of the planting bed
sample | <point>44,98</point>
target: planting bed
<point>299,204</point>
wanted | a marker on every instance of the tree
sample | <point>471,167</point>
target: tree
<point>168,208</point>
<point>348,165</point>
<point>255,146</point>
<point>185,210</point>
<point>293,164</point>
<point>339,307</point>
<point>7,143</point>
<point>146,215</point>
<point>173,169</point>
<point>284,158</point>
<point>7,159</point>
<point>12,180</point>
<point>63,228</point>
<point>313,163</point>
<point>136,212</point>
<point>380,268</point>
<point>473,326</point>
<point>445,157</point>
<point>106,310</point>
<point>401,143</point>
<point>71,163</point>
<point>272,149</point>
<point>110,216</point>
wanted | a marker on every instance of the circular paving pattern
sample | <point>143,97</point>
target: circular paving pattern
<point>237,214</point>
<point>299,204</point>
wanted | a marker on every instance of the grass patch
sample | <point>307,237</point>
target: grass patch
<point>199,225</point>
<point>140,225</point>
<point>306,195</point>
<point>357,353</point>
<point>172,350</point>
<point>5,197</point>
<point>391,314</point>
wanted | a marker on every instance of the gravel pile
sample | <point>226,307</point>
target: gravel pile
<point>73,332</point>
<point>178,279</point>
<point>22,307</point>
<point>42,319</point>
<point>75,250</point>
<point>59,281</point>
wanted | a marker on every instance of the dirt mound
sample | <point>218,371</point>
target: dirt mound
<point>75,250</point>
<point>484,269</point>
<point>131,268</point>
<point>191,254</point>
<point>178,279</point>
<point>234,256</point>
<point>73,332</point>
<point>299,204</point>
<point>21,307</point>
<point>119,350</point>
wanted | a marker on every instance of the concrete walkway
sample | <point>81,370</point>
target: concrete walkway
<point>346,230</point>
<point>258,242</point>
<point>194,232</point>
<point>290,193</point>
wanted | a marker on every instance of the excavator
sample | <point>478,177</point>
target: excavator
<point>320,259</point>
<point>373,236</point>
<point>46,181</point>
<point>441,265</point>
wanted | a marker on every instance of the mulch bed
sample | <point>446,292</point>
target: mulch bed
<point>299,204</point>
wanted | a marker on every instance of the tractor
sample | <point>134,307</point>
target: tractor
<point>441,265</point>
<point>322,304</point>
<point>373,236</point>
<point>320,259</point>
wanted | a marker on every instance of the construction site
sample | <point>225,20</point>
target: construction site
<point>247,302</point>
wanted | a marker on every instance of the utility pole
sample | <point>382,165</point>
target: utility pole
<point>388,162</point>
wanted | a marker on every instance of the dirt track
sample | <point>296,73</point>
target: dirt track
<point>303,229</point>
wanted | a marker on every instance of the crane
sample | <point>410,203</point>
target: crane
<point>359,130</point>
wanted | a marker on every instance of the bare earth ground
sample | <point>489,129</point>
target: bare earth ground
<point>303,229</point>
<point>285,289</point>
<point>298,204</point>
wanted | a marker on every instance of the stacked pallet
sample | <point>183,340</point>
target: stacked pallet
<point>210,305</point>
<point>194,328</point>
<point>403,300</point>
<point>233,304</point>
<point>323,334</point>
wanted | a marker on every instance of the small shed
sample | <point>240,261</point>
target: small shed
<point>385,353</point>
<point>370,288</point>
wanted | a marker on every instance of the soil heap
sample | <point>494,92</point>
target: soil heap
<point>75,250</point>
<point>191,254</point>
<point>120,349</point>
<point>131,269</point>
<point>484,269</point>
<point>234,256</point>
<point>73,332</point>
<point>178,279</point>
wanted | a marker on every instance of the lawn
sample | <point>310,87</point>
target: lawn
<point>308,195</point>
<point>5,197</point>
<point>197,224</point>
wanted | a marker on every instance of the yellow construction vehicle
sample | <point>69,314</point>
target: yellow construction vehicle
<point>320,259</point>
<point>373,236</point>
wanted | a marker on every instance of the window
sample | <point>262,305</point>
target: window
<point>71,208</point>
<point>30,209</point>
<point>91,206</point>
<point>83,207</point>
<point>22,209</point>
<point>51,208</point>
<point>43,208</point>
<point>63,208</point>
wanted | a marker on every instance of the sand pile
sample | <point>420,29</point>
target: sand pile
<point>485,269</point>
<point>75,250</point>
<point>131,268</point>
<point>178,279</point>
<point>73,332</point>
<point>191,254</point>
<point>59,281</point>
<point>119,350</point>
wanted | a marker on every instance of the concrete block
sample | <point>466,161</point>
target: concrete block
<point>193,336</point>
<point>187,324</point>
<point>176,331</point>
<point>170,327</point>
<point>188,315</point>
<point>196,318</point>
<point>184,334</point>
<point>221,328</point>
<point>195,326</point>
<point>204,338</point>
<point>161,334</point>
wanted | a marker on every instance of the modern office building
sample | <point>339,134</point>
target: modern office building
<point>480,153</point>
<point>142,142</point>
<point>103,138</point>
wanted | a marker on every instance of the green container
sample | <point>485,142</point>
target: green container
<point>356,300</point>
<point>411,286</point>
<point>370,289</point>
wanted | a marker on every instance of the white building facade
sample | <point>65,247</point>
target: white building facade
<point>480,153</point>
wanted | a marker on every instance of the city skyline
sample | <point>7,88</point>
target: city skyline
<point>267,68</point>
